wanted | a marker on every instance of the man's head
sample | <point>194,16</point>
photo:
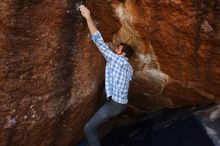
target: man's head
<point>124,50</point>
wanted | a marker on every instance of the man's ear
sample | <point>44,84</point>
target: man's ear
<point>123,53</point>
<point>121,47</point>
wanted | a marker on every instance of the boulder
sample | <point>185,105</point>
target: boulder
<point>52,74</point>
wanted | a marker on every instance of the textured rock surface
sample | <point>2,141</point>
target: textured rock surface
<point>51,73</point>
<point>177,51</point>
<point>49,77</point>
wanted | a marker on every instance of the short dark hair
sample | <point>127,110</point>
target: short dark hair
<point>127,49</point>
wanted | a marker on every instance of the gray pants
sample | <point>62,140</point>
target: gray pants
<point>108,110</point>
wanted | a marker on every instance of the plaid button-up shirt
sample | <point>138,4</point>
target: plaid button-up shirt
<point>118,71</point>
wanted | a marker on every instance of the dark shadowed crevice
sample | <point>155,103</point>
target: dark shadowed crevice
<point>204,8</point>
<point>66,57</point>
<point>214,53</point>
<point>200,6</point>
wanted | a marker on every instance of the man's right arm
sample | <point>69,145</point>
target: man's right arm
<point>96,35</point>
<point>91,26</point>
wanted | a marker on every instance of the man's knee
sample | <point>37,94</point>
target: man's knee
<point>87,128</point>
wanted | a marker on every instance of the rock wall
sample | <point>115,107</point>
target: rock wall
<point>177,49</point>
<point>49,77</point>
<point>51,73</point>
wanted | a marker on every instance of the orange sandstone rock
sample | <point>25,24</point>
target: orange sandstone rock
<point>51,73</point>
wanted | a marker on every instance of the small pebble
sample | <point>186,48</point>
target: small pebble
<point>25,117</point>
<point>33,116</point>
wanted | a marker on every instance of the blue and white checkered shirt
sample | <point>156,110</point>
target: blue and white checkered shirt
<point>118,71</point>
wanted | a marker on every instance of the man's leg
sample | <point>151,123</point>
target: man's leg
<point>108,110</point>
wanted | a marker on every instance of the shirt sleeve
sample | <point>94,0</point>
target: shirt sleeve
<point>123,79</point>
<point>126,73</point>
<point>129,72</point>
<point>104,49</point>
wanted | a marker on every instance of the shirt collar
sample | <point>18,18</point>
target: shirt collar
<point>124,57</point>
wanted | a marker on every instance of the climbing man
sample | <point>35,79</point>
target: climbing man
<point>118,74</point>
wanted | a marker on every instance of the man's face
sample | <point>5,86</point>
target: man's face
<point>118,50</point>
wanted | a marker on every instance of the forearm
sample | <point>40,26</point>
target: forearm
<point>91,25</point>
<point>95,34</point>
<point>105,50</point>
